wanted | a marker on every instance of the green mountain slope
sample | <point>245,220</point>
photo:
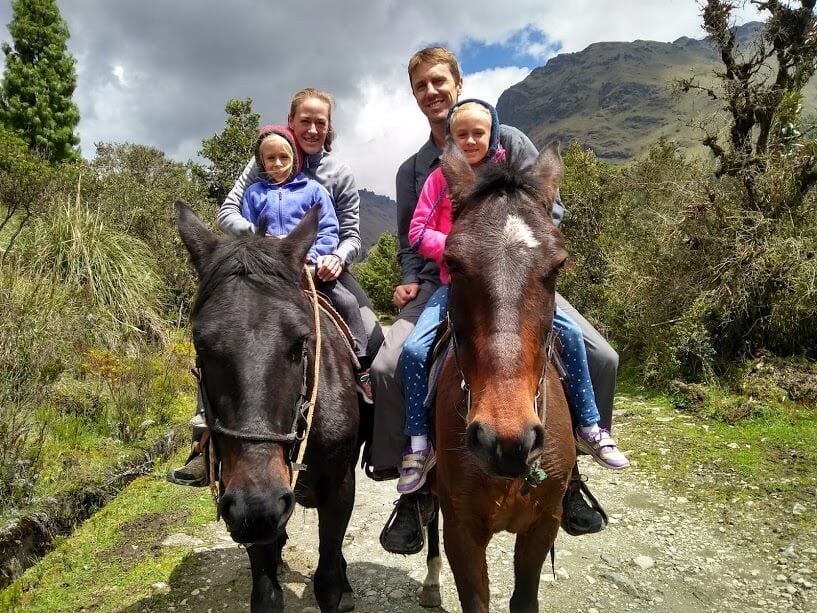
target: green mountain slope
<point>618,98</point>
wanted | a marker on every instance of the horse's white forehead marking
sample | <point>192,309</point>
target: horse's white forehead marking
<point>516,231</point>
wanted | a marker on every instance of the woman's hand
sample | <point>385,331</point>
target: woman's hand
<point>329,267</point>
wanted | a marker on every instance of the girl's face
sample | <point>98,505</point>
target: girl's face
<point>471,131</point>
<point>310,122</point>
<point>277,157</point>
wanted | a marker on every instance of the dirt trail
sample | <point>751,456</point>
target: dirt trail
<point>660,553</point>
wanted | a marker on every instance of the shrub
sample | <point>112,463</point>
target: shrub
<point>379,274</point>
<point>112,273</point>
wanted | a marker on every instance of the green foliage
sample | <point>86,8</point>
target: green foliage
<point>111,273</point>
<point>229,151</point>
<point>134,188</point>
<point>39,81</point>
<point>379,274</point>
<point>24,182</point>
<point>33,352</point>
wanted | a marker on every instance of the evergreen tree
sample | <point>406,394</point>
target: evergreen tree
<point>39,81</point>
<point>229,151</point>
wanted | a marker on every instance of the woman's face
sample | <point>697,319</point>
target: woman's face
<point>471,131</point>
<point>310,122</point>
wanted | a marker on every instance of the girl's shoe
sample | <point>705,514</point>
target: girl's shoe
<point>602,448</point>
<point>414,469</point>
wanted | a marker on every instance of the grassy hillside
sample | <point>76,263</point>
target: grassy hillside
<point>619,98</point>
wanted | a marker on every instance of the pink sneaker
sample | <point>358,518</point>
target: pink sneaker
<point>414,469</point>
<point>602,448</point>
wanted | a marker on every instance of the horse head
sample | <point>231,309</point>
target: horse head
<point>503,255</point>
<point>254,337</point>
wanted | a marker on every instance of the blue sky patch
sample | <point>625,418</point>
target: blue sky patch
<point>528,47</point>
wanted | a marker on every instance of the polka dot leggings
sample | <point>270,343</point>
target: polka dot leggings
<point>574,355</point>
<point>414,361</point>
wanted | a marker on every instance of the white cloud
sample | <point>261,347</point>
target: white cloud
<point>159,73</point>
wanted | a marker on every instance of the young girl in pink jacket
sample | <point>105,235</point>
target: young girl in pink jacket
<point>474,127</point>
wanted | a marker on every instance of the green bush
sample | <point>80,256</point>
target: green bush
<point>34,351</point>
<point>379,274</point>
<point>110,272</point>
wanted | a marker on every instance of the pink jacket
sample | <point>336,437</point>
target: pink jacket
<point>431,221</point>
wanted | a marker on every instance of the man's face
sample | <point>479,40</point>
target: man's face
<point>435,90</point>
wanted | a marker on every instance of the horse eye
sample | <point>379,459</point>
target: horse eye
<point>296,353</point>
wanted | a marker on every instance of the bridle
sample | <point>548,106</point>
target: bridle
<point>535,474</point>
<point>297,437</point>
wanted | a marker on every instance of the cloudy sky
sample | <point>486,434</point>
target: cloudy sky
<point>159,72</point>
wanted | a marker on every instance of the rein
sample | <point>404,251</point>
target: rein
<point>535,474</point>
<point>303,411</point>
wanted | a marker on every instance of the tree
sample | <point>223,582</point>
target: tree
<point>39,81</point>
<point>229,151</point>
<point>379,274</point>
<point>760,91</point>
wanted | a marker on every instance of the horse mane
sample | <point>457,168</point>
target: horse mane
<point>256,259</point>
<point>506,177</point>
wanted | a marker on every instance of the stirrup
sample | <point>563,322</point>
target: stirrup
<point>594,503</point>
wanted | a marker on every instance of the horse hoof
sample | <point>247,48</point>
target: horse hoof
<point>430,597</point>
<point>347,602</point>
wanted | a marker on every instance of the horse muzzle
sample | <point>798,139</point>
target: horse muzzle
<point>256,517</point>
<point>508,457</point>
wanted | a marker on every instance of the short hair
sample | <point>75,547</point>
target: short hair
<point>313,92</point>
<point>435,55</point>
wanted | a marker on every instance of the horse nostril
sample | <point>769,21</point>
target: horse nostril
<point>480,438</point>
<point>284,505</point>
<point>537,447</point>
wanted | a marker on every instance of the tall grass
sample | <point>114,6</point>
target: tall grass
<point>114,274</point>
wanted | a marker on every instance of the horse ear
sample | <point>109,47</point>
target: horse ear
<point>198,239</point>
<point>549,168</point>
<point>459,176</point>
<point>297,243</point>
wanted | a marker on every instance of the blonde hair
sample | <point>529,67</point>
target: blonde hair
<point>434,55</point>
<point>313,92</point>
<point>469,106</point>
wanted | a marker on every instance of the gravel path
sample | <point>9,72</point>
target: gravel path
<point>659,553</point>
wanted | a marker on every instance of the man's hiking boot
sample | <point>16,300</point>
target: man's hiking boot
<point>581,512</point>
<point>403,532</point>
<point>194,473</point>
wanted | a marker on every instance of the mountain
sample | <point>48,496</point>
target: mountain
<point>378,214</point>
<point>618,98</point>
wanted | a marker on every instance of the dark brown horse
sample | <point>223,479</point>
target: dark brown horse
<point>502,420</point>
<point>256,341</point>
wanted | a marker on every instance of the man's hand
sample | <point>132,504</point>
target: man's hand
<point>329,267</point>
<point>403,294</point>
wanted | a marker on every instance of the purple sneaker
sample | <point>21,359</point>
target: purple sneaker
<point>602,448</point>
<point>414,469</point>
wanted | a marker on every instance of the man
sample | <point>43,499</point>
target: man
<point>436,84</point>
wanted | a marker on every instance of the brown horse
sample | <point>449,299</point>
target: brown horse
<point>504,440</point>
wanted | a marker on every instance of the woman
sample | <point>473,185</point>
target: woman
<point>310,118</point>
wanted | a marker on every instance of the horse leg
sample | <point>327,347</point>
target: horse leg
<point>530,552</point>
<point>347,598</point>
<point>430,593</point>
<point>465,545</point>
<point>266,591</point>
<point>333,519</point>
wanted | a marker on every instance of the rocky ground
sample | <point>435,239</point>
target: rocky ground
<point>661,552</point>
